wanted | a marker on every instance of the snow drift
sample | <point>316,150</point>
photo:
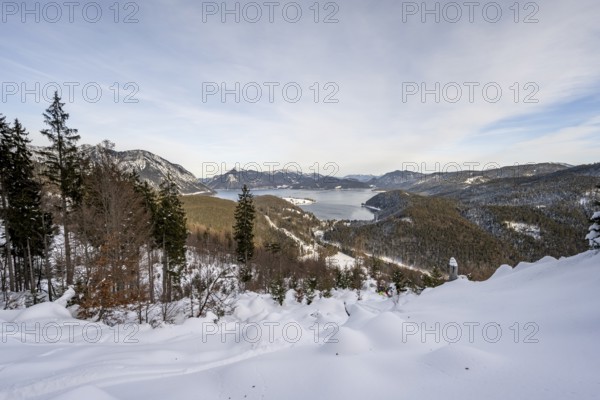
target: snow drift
<point>528,332</point>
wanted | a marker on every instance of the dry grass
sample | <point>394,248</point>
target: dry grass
<point>209,213</point>
<point>205,213</point>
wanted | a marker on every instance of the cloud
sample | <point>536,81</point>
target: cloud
<point>365,58</point>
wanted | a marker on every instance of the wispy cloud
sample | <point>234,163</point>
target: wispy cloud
<point>368,55</point>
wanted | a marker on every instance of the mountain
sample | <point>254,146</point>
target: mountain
<point>571,185</point>
<point>509,215</point>
<point>396,180</point>
<point>150,168</point>
<point>445,182</point>
<point>361,177</point>
<point>154,169</point>
<point>235,179</point>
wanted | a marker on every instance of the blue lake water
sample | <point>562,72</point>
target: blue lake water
<point>330,204</point>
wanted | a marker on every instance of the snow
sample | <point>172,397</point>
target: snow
<point>503,270</point>
<point>399,263</point>
<point>196,193</point>
<point>43,311</point>
<point>299,202</point>
<point>341,260</point>
<point>594,232</point>
<point>529,332</point>
<point>310,251</point>
<point>66,297</point>
<point>593,235</point>
<point>85,392</point>
<point>372,208</point>
<point>526,229</point>
<point>476,180</point>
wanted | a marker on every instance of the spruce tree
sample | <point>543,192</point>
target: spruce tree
<point>6,146</point>
<point>277,289</point>
<point>309,286</point>
<point>593,236</point>
<point>245,215</point>
<point>399,280</point>
<point>62,162</point>
<point>170,233</point>
<point>434,279</point>
<point>150,200</point>
<point>27,227</point>
<point>30,227</point>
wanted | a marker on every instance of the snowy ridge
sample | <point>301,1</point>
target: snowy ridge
<point>155,169</point>
<point>280,179</point>
<point>149,166</point>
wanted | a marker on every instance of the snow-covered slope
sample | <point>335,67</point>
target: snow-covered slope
<point>149,166</point>
<point>531,332</point>
<point>279,179</point>
<point>154,169</point>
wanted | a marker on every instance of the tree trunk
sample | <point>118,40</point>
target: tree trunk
<point>47,268</point>
<point>151,275</point>
<point>139,295</point>
<point>9,260</point>
<point>18,274</point>
<point>31,274</point>
<point>68,264</point>
<point>48,271</point>
<point>3,279</point>
<point>166,294</point>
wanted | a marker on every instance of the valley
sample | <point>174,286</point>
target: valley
<point>483,218</point>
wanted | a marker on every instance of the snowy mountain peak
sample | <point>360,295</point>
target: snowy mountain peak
<point>149,166</point>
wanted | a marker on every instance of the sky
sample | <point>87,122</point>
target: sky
<point>350,87</point>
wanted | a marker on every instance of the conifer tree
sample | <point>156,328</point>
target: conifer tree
<point>170,233</point>
<point>6,146</point>
<point>343,277</point>
<point>27,228</point>
<point>277,290</point>
<point>399,280</point>
<point>150,199</point>
<point>62,168</point>
<point>244,233</point>
<point>30,228</point>
<point>434,279</point>
<point>309,286</point>
<point>593,236</point>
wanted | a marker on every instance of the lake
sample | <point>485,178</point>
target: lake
<point>330,204</point>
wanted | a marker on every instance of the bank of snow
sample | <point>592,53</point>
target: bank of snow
<point>526,229</point>
<point>529,332</point>
<point>299,202</point>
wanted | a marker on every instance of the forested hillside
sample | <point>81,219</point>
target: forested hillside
<point>520,214</point>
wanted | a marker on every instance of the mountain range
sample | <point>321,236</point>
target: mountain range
<point>149,166</point>
<point>445,182</point>
<point>482,218</point>
<point>504,185</point>
<point>504,216</point>
<point>280,179</point>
